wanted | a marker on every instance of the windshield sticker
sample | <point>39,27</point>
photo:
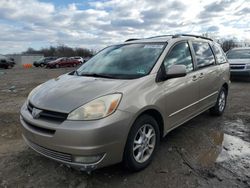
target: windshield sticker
<point>141,71</point>
<point>153,46</point>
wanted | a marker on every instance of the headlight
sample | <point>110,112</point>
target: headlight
<point>97,109</point>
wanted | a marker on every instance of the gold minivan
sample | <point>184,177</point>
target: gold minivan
<point>119,104</point>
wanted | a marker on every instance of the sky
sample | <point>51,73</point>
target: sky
<point>95,24</point>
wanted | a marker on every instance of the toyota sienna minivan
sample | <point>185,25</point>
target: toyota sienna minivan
<point>117,106</point>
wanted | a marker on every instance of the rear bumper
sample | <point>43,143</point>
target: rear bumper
<point>105,138</point>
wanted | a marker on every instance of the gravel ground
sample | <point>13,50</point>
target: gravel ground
<point>205,152</point>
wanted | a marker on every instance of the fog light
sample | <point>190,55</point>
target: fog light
<point>87,159</point>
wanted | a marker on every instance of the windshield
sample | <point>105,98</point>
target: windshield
<point>59,59</point>
<point>238,54</point>
<point>41,59</point>
<point>125,61</point>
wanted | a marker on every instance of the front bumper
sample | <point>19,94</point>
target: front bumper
<point>245,73</point>
<point>242,69</point>
<point>63,141</point>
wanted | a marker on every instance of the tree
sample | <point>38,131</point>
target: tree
<point>228,44</point>
<point>61,51</point>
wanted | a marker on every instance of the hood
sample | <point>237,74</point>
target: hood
<point>68,92</point>
<point>238,61</point>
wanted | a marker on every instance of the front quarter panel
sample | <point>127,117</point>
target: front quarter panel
<point>142,95</point>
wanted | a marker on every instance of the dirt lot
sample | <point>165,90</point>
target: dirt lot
<point>205,152</point>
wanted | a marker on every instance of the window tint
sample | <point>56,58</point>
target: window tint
<point>179,55</point>
<point>220,56</point>
<point>204,54</point>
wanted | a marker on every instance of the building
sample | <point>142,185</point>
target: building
<point>21,59</point>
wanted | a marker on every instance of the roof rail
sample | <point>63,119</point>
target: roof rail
<point>189,35</point>
<point>160,36</point>
<point>130,40</point>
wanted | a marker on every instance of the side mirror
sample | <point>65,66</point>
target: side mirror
<point>176,71</point>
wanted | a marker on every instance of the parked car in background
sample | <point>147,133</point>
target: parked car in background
<point>85,59</point>
<point>63,62</point>
<point>12,60</point>
<point>118,105</point>
<point>78,58</point>
<point>6,62</point>
<point>43,61</point>
<point>239,60</point>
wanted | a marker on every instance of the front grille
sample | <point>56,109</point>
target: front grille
<point>49,115</point>
<point>237,66</point>
<point>65,157</point>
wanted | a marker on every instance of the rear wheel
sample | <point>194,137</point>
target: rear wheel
<point>142,142</point>
<point>220,105</point>
<point>42,64</point>
<point>57,66</point>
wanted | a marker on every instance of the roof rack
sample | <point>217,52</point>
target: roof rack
<point>173,36</point>
<point>189,35</point>
<point>131,40</point>
<point>160,36</point>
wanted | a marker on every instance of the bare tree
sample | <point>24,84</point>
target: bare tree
<point>228,44</point>
<point>61,51</point>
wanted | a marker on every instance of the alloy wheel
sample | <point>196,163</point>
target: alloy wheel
<point>144,143</point>
<point>222,101</point>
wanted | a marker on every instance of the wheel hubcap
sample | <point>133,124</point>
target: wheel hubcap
<point>222,101</point>
<point>144,143</point>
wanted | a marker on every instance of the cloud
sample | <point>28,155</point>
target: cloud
<point>95,24</point>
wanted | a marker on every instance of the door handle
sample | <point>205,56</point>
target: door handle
<point>194,78</point>
<point>201,75</point>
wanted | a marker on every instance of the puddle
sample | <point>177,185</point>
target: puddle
<point>209,156</point>
<point>235,155</point>
<point>218,148</point>
<point>238,128</point>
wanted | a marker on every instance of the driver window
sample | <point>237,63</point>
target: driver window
<point>179,55</point>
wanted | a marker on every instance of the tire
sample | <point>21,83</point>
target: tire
<point>42,65</point>
<point>221,103</point>
<point>57,66</point>
<point>74,65</point>
<point>138,154</point>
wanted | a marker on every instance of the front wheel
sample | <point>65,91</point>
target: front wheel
<point>142,142</point>
<point>220,105</point>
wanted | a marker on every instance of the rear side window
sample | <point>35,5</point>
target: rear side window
<point>220,55</point>
<point>204,54</point>
<point>179,55</point>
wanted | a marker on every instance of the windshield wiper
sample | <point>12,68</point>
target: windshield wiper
<point>97,75</point>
